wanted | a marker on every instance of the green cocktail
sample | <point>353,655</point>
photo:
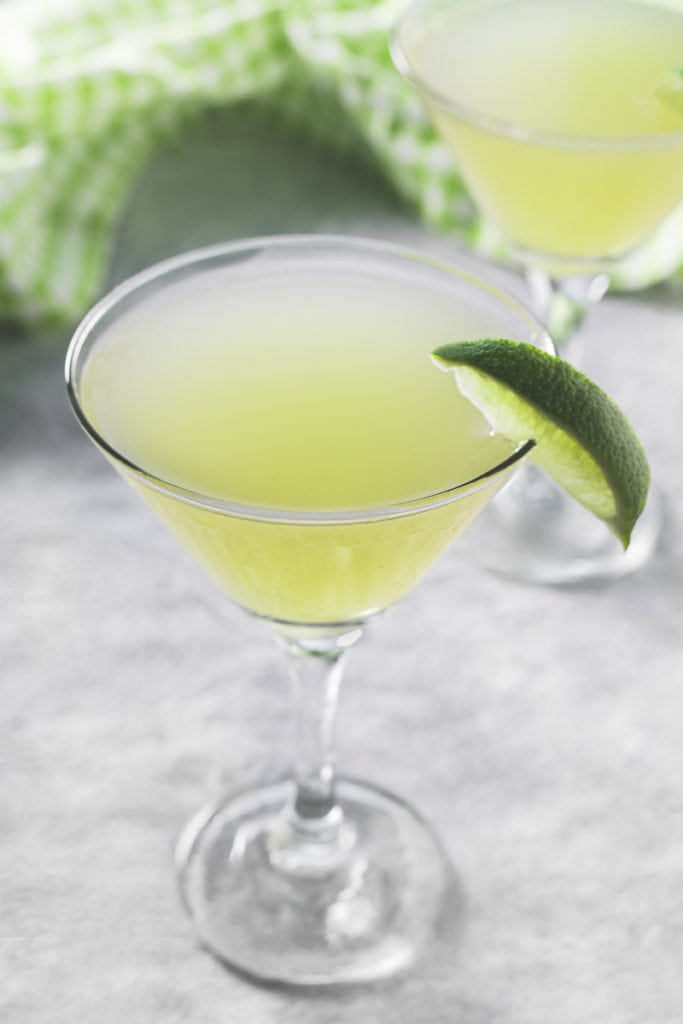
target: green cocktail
<point>275,402</point>
<point>556,114</point>
<point>292,397</point>
<point>562,122</point>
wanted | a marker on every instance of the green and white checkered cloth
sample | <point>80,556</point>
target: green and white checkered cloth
<point>89,87</point>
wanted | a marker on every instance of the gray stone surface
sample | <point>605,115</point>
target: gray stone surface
<point>538,730</point>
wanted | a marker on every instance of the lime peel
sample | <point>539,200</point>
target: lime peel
<point>583,439</point>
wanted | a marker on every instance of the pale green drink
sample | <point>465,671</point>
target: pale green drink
<point>308,391</point>
<point>276,403</point>
<point>553,112</point>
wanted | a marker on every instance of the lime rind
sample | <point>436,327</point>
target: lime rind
<point>583,439</point>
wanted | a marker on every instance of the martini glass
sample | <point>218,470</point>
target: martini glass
<point>552,109</point>
<point>275,403</point>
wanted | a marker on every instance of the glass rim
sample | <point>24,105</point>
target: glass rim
<point>510,129</point>
<point>212,254</point>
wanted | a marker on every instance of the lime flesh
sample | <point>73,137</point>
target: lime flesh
<point>582,438</point>
<point>671,89</point>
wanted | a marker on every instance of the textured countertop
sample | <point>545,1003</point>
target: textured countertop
<point>540,731</point>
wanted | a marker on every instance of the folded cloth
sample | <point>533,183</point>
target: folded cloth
<point>89,87</point>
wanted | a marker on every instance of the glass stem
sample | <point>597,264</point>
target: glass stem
<point>317,835</point>
<point>562,303</point>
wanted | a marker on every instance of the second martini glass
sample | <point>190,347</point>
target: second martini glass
<point>555,113</point>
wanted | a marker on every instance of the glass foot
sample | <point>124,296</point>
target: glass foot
<point>358,906</point>
<point>534,532</point>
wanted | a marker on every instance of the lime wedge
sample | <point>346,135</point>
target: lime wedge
<point>583,439</point>
<point>671,89</point>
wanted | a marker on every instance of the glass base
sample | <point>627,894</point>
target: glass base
<point>533,532</point>
<point>359,906</point>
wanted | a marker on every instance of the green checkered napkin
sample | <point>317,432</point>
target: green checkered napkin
<point>89,87</point>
